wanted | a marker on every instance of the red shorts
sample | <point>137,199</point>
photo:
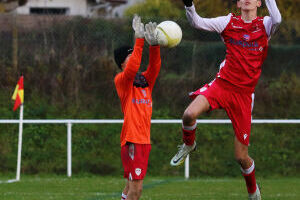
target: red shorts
<point>135,160</point>
<point>238,106</point>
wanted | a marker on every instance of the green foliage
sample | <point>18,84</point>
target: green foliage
<point>283,97</point>
<point>162,8</point>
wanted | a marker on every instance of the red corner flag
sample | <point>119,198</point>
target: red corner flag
<point>18,95</point>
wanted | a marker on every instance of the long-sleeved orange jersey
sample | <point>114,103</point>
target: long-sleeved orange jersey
<point>136,102</point>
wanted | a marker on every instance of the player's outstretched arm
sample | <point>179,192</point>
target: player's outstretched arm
<point>154,57</point>
<point>208,24</point>
<point>135,59</point>
<point>272,22</point>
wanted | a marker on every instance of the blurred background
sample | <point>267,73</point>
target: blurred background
<point>64,49</point>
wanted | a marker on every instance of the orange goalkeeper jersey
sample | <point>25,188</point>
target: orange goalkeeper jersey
<point>136,102</point>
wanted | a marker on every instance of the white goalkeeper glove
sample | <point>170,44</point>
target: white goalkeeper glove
<point>151,34</point>
<point>138,27</point>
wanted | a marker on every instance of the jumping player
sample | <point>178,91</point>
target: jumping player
<point>246,38</point>
<point>135,92</point>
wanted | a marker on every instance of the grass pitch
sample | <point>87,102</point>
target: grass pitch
<point>155,188</point>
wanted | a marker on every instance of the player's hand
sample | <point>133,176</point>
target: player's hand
<point>151,34</point>
<point>138,27</point>
<point>188,3</point>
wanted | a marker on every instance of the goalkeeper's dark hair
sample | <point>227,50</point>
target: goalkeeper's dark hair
<point>120,54</point>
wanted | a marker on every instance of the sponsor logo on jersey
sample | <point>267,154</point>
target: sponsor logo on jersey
<point>245,136</point>
<point>142,101</point>
<point>252,46</point>
<point>138,171</point>
<point>257,30</point>
<point>238,27</point>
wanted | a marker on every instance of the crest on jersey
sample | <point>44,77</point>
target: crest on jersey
<point>246,37</point>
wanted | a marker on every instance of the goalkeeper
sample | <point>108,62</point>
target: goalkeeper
<point>135,92</point>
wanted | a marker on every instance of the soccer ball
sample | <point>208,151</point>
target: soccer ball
<point>169,34</point>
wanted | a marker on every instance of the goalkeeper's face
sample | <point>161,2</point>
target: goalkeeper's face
<point>125,62</point>
<point>248,5</point>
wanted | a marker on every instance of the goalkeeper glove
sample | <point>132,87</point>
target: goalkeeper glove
<point>151,34</point>
<point>138,27</point>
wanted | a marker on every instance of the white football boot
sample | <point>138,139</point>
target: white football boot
<point>183,151</point>
<point>256,195</point>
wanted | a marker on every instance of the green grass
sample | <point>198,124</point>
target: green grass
<point>155,188</point>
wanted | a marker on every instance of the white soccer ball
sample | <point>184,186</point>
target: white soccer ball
<point>169,34</point>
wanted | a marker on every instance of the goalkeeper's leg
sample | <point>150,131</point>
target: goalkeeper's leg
<point>189,125</point>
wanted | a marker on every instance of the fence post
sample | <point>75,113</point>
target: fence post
<point>69,151</point>
<point>187,167</point>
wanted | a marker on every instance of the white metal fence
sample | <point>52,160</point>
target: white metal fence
<point>70,122</point>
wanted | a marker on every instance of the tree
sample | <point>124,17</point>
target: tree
<point>10,5</point>
<point>152,8</point>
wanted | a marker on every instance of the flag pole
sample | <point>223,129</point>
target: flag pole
<point>20,143</point>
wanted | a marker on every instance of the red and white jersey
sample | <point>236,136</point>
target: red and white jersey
<point>246,49</point>
<point>246,43</point>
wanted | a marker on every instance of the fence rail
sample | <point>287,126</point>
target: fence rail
<point>153,121</point>
<point>70,122</point>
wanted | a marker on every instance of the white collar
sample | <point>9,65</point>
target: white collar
<point>248,21</point>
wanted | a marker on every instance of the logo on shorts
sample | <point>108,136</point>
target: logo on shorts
<point>245,136</point>
<point>203,89</point>
<point>138,171</point>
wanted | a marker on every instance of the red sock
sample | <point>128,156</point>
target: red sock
<point>249,175</point>
<point>188,136</point>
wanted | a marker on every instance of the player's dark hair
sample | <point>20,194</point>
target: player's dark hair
<point>121,54</point>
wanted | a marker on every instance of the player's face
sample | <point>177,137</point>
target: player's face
<point>248,5</point>
<point>125,62</point>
